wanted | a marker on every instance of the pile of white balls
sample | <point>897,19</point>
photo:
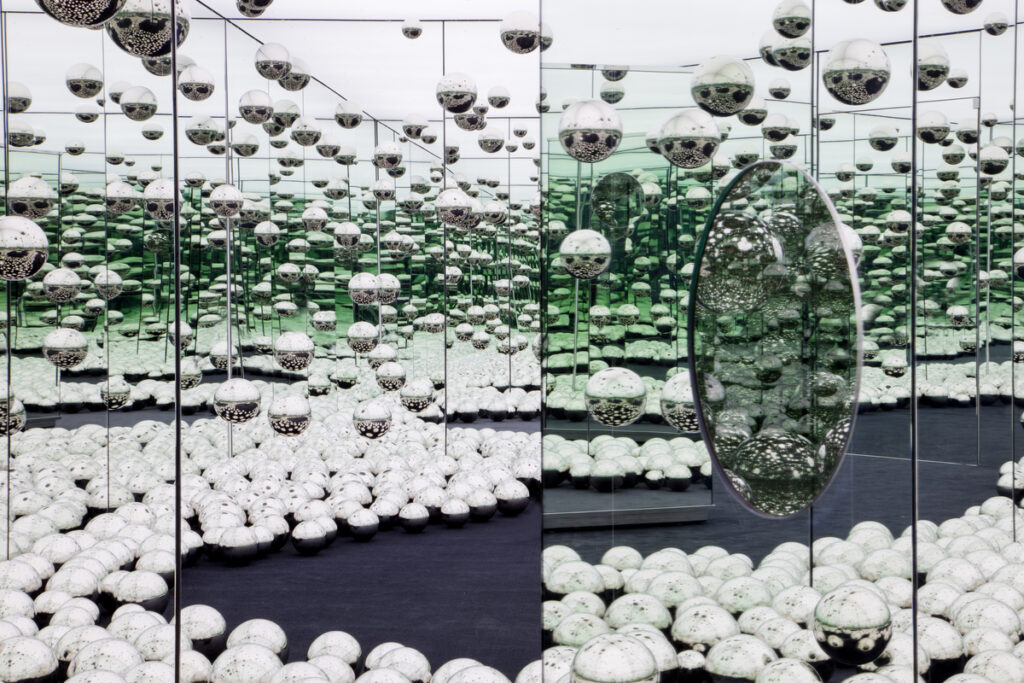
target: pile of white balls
<point>712,614</point>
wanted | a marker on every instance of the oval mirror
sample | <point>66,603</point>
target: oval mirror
<point>774,337</point>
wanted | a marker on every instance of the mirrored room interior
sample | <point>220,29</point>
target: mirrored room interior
<point>561,342</point>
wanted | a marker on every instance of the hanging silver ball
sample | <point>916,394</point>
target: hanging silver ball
<point>290,415</point>
<point>273,61</point>
<point>520,32</point>
<point>792,18</point>
<point>590,130</point>
<point>348,114</point>
<point>722,86</point>
<point>456,93</point>
<point>417,395</point>
<point>65,347</point>
<point>362,337</point>
<point>961,6</point>
<point>297,78</point>
<point>23,248</point>
<point>689,138</point>
<point>86,13</point>
<point>143,27</point>
<point>372,419</point>
<point>932,65</point>
<point>585,254</point>
<point>256,106</point>
<point>237,400</point>
<point>61,285</point>
<point>31,197</point>
<point>856,71</point>
<point>196,84</point>
<point>12,413</point>
<point>84,80</point>
<point>294,351</point>
<point>996,24</point>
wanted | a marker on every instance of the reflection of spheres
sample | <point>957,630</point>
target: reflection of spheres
<point>31,197</point>
<point>992,160</point>
<point>853,625</point>
<point>792,18</point>
<point>107,284</point>
<point>256,106</point>
<point>362,337</point>
<point>857,71</point>
<point>722,86</point>
<point>456,93</point>
<point>372,419</point>
<point>195,83</point>
<point>590,130</point>
<point>293,351</point>
<point>996,24</point>
<point>273,61</point>
<point>932,65</point>
<point>932,127</point>
<point>754,113</point>
<point>883,137</point>
<point>23,248</point>
<point>289,415</point>
<point>237,400</point>
<point>961,6</point>
<point>677,404</point>
<point>825,248</point>
<point>737,255</point>
<point>65,347</point>
<point>615,396</point>
<point>267,233</point>
<point>364,288</point>
<point>226,200</point>
<point>957,78</point>
<point>61,285</point>
<point>348,114</point>
<point>143,27</point>
<point>585,254</point>
<point>612,93</point>
<point>159,199</point>
<point>297,78</point>
<point>793,54</point>
<point>779,88</point>
<point>87,13</point>
<point>520,32</point>
<point>689,139</point>
<point>391,376</point>
<point>84,80</point>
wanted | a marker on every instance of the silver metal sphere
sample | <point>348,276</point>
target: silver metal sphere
<point>853,625</point>
<point>237,400</point>
<point>590,130</point>
<point>856,71</point>
<point>722,86</point>
<point>143,27</point>
<point>615,396</point>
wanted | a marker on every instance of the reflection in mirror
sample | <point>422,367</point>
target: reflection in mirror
<point>774,332</point>
<point>315,355</point>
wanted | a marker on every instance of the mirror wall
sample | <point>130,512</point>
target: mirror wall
<point>920,165</point>
<point>270,396</point>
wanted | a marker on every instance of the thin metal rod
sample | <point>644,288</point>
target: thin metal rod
<point>913,339</point>
<point>176,241</point>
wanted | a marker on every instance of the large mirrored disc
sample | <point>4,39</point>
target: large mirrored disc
<point>774,328</point>
<point>617,204</point>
